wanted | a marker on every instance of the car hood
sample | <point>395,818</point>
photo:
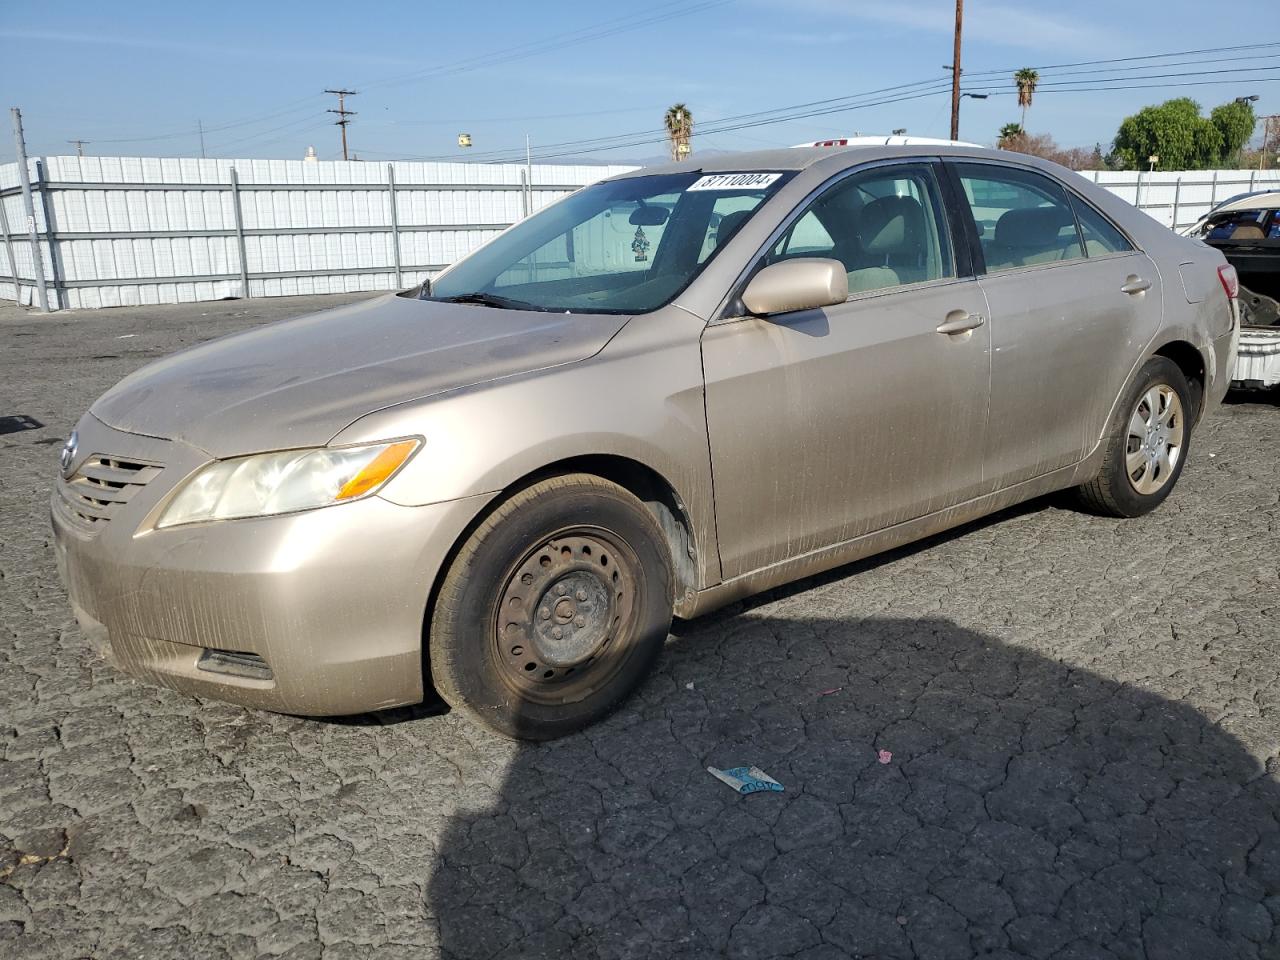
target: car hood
<point>298,383</point>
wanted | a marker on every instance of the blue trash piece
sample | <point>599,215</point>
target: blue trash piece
<point>746,780</point>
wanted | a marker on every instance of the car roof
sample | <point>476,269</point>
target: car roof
<point>1257,200</point>
<point>801,158</point>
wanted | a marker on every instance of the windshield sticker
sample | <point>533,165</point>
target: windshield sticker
<point>735,181</point>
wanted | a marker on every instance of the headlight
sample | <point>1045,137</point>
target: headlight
<point>272,483</point>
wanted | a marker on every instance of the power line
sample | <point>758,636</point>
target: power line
<point>921,94</point>
<point>656,15</point>
<point>313,121</point>
<point>670,10</point>
<point>1144,86</point>
<point>709,126</point>
<point>1151,56</point>
<point>214,129</point>
<point>924,87</point>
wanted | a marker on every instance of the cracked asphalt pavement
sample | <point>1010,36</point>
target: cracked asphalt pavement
<point>1083,716</point>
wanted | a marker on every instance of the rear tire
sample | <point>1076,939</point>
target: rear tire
<point>1147,444</point>
<point>554,609</point>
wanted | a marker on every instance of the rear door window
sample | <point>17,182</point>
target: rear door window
<point>1100,235</point>
<point>1024,219</point>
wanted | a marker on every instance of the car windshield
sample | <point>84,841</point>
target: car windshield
<point>622,246</point>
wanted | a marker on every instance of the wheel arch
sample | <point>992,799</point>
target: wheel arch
<point>1194,366</point>
<point>652,489</point>
<point>642,481</point>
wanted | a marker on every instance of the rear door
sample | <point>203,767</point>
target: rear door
<point>1072,303</point>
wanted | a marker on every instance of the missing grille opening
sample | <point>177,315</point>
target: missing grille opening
<point>234,663</point>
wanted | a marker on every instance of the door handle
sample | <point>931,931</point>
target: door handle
<point>1134,284</point>
<point>961,321</point>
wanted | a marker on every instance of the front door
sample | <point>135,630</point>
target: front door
<point>1071,304</point>
<point>829,424</point>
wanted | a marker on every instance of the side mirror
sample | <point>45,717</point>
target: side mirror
<point>802,284</point>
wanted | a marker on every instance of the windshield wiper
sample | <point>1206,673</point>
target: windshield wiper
<point>488,300</point>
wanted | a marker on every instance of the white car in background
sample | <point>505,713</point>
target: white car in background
<point>1246,229</point>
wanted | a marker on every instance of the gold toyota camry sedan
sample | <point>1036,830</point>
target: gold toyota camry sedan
<point>667,391</point>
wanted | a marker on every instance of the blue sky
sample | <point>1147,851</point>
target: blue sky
<point>146,72</point>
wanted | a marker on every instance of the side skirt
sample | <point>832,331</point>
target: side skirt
<point>828,558</point>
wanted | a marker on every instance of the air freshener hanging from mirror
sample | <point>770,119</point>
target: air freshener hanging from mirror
<point>640,245</point>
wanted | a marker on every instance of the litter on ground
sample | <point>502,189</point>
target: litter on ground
<point>746,779</point>
<point>884,756</point>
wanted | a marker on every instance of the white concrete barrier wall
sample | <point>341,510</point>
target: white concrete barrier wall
<point>128,230</point>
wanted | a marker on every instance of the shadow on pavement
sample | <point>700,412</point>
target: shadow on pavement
<point>1029,810</point>
<point>1269,397</point>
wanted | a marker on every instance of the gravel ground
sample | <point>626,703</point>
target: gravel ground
<point>1083,717</point>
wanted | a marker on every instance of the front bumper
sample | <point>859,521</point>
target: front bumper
<point>331,599</point>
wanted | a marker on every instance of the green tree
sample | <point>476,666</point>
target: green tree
<point>1235,121</point>
<point>1010,133</point>
<point>1174,131</point>
<point>1026,80</point>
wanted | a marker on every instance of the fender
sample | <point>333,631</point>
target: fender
<point>641,398</point>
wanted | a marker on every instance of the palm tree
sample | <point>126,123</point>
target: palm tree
<point>1026,79</point>
<point>679,123</point>
<point>1009,133</point>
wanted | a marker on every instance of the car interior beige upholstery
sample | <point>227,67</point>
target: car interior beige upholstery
<point>872,278</point>
<point>1028,236</point>
<point>892,233</point>
<point>1248,231</point>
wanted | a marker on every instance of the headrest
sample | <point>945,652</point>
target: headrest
<point>1031,226</point>
<point>1247,231</point>
<point>889,224</point>
<point>729,225</point>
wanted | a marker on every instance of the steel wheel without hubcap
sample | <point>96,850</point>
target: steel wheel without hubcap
<point>1155,439</point>
<point>554,608</point>
<point>566,616</point>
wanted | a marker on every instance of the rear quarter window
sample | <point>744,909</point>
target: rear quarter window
<point>1100,235</point>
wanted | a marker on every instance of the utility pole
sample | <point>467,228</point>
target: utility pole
<point>528,167</point>
<point>24,178</point>
<point>200,127</point>
<point>79,146</point>
<point>343,113</point>
<point>955,74</point>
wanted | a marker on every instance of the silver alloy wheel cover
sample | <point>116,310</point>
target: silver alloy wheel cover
<point>1155,438</point>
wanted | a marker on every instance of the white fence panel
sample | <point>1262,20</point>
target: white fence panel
<point>1179,198</point>
<point>129,230</point>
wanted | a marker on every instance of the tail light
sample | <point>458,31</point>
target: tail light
<point>1230,281</point>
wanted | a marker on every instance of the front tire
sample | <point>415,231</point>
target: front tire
<point>554,609</point>
<point>1147,445</point>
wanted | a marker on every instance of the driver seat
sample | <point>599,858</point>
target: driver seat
<point>892,234</point>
